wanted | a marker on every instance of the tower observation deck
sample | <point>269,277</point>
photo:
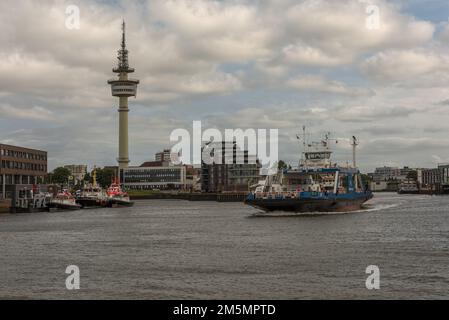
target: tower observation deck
<point>123,87</point>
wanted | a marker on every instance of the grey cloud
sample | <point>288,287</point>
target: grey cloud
<point>195,57</point>
<point>371,113</point>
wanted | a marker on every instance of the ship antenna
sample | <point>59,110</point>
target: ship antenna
<point>304,143</point>
<point>354,145</point>
<point>94,177</point>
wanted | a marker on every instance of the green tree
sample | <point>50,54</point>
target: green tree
<point>87,178</point>
<point>77,186</point>
<point>366,179</point>
<point>104,177</point>
<point>412,175</point>
<point>60,175</point>
<point>282,165</point>
<point>48,178</point>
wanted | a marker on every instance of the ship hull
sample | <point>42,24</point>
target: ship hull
<point>92,203</point>
<point>445,189</point>
<point>408,192</point>
<point>120,203</point>
<point>65,206</point>
<point>309,205</point>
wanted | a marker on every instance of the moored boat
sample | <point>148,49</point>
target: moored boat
<point>408,186</point>
<point>91,197</point>
<point>64,200</point>
<point>117,197</point>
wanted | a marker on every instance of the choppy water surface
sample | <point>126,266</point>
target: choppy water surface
<point>163,249</point>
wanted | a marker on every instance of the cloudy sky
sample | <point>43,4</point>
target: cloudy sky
<point>231,64</point>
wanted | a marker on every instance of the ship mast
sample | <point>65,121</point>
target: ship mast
<point>94,177</point>
<point>304,144</point>
<point>327,137</point>
<point>354,145</point>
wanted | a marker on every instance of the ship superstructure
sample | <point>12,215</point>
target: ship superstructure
<point>117,197</point>
<point>92,195</point>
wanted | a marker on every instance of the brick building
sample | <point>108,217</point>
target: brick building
<point>20,166</point>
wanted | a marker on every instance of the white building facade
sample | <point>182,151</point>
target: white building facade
<point>152,178</point>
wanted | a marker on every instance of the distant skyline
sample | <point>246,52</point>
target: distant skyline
<point>231,64</point>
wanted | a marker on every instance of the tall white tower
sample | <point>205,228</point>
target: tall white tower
<point>123,88</point>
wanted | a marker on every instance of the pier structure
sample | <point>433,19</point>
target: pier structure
<point>123,88</point>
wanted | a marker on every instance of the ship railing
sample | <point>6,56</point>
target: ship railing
<point>277,195</point>
<point>290,195</point>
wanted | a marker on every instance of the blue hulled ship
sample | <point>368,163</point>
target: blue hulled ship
<point>317,185</point>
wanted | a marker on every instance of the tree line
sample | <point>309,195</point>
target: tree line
<point>63,175</point>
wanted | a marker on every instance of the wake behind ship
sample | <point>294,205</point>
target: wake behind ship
<point>317,185</point>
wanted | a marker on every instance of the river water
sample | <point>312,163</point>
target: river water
<point>167,249</point>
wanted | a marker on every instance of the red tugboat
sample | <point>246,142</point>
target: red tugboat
<point>92,196</point>
<point>64,200</point>
<point>118,197</point>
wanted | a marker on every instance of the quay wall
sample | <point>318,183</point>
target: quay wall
<point>4,206</point>
<point>428,192</point>
<point>219,197</point>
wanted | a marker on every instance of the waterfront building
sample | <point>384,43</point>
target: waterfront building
<point>20,165</point>
<point>404,173</point>
<point>123,88</point>
<point>389,178</point>
<point>188,181</point>
<point>435,178</point>
<point>163,156</point>
<point>161,159</point>
<point>387,185</point>
<point>150,178</point>
<point>193,178</point>
<point>444,178</point>
<point>444,173</point>
<point>430,177</point>
<point>226,173</point>
<point>378,186</point>
<point>419,176</point>
<point>152,164</point>
<point>386,173</point>
<point>78,171</point>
